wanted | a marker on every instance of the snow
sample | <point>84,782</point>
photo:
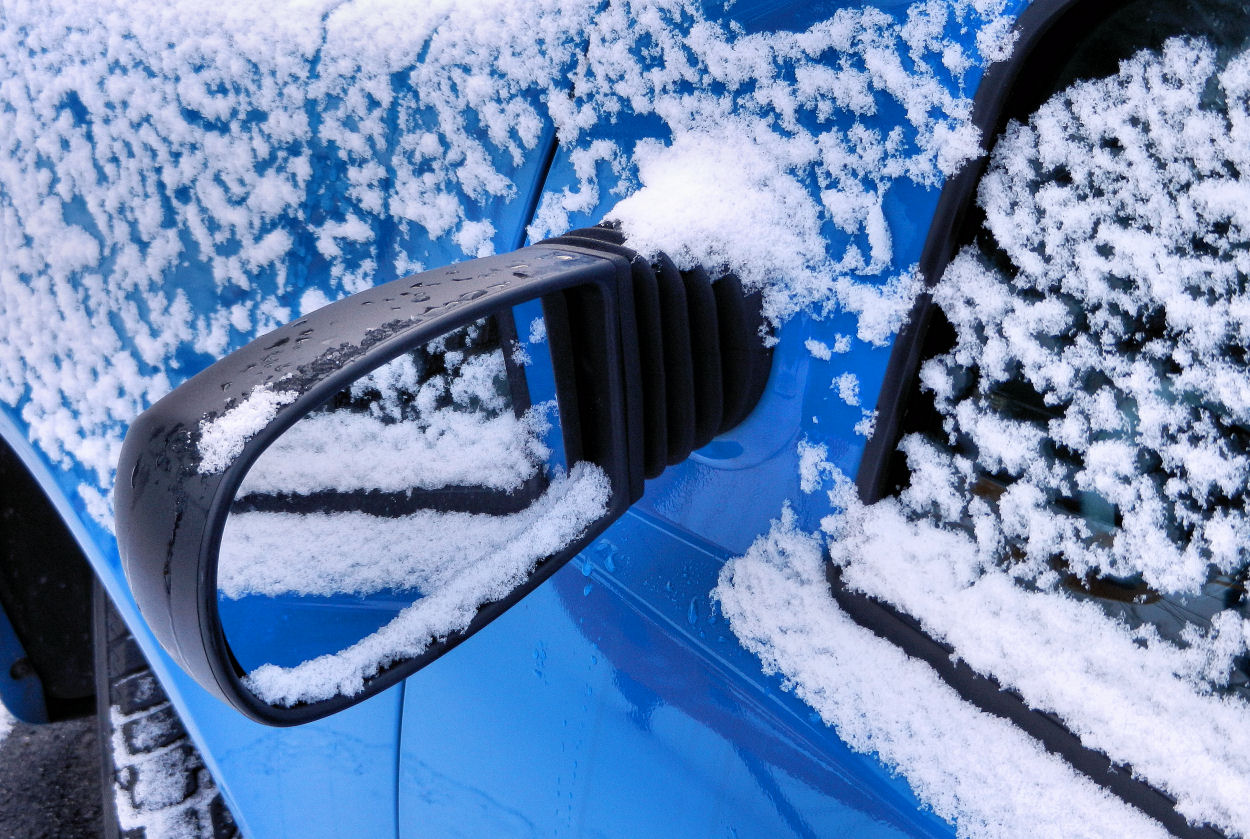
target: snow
<point>1124,308</point>
<point>867,423</point>
<point>437,416</point>
<point>818,349</point>
<point>974,769</point>
<point>166,172</point>
<point>150,786</point>
<point>346,451</point>
<point>357,553</point>
<point>1130,694</point>
<point>537,331</point>
<point>1130,333</point>
<point>412,431</point>
<point>222,438</point>
<point>824,352</point>
<point>1118,296</point>
<point>847,386</point>
<point>6,722</point>
<point>458,561</point>
<point>781,179</point>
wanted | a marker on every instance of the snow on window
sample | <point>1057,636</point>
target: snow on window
<point>1099,378</point>
<point>459,561</point>
<point>1076,527</point>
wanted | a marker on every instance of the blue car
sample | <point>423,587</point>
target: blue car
<point>673,418</point>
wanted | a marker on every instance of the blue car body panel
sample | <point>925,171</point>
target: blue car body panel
<point>618,702</point>
<point>614,701</point>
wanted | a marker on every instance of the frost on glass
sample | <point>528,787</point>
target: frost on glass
<point>384,519</point>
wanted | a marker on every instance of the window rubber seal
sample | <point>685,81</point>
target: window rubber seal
<point>1041,19</point>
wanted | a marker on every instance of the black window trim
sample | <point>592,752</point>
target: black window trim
<point>1039,36</point>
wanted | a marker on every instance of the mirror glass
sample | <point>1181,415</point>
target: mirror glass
<point>383,520</point>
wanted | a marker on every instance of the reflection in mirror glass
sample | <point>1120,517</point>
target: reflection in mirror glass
<point>384,519</point>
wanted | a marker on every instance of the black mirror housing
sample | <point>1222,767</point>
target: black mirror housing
<point>610,366</point>
<point>171,511</point>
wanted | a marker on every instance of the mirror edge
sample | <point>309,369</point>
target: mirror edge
<point>171,513</point>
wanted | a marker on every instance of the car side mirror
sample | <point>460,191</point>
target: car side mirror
<point>337,504</point>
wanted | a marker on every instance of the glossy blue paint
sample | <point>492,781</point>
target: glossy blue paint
<point>613,701</point>
<point>334,777</point>
<point>20,690</point>
<point>337,777</point>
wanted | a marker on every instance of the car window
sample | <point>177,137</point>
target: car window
<point>1087,384</point>
<point>1069,515</point>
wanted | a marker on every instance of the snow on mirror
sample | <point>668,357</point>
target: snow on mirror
<point>383,520</point>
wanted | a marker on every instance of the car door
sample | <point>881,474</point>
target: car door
<point>615,700</point>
